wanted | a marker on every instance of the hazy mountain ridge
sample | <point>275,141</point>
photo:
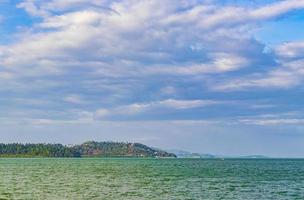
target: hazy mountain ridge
<point>186,154</point>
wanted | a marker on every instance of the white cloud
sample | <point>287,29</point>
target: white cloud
<point>75,99</point>
<point>291,49</point>
<point>287,74</point>
<point>220,63</point>
<point>168,90</point>
<point>185,104</point>
<point>263,122</point>
<point>80,18</point>
<point>284,118</point>
<point>31,7</point>
<point>138,108</point>
<point>275,79</point>
<point>277,8</point>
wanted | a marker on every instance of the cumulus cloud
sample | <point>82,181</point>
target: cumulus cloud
<point>287,74</point>
<point>291,50</point>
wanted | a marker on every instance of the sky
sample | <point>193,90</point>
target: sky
<point>212,76</point>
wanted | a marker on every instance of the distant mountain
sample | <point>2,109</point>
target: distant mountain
<point>87,149</point>
<point>243,157</point>
<point>254,156</point>
<point>186,154</point>
<point>119,149</point>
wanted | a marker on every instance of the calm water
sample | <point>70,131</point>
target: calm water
<point>151,179</point>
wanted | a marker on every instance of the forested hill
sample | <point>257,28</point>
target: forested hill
<point>87,149</point>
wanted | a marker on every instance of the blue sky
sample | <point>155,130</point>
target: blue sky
<point>210,76</point>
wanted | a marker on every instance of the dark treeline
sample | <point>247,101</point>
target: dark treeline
<point>37,150</point>
<point>87,149</point>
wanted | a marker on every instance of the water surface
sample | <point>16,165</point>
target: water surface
<point>118,178</point>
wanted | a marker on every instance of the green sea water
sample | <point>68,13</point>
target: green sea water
<point>118,178</point>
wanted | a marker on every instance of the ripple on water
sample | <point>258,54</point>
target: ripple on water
<point>117,178</point>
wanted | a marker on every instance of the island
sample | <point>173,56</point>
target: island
<point>87,149</point>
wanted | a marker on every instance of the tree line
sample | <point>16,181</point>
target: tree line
<point>87,149</point>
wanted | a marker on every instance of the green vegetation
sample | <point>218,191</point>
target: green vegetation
<point>87,149</point>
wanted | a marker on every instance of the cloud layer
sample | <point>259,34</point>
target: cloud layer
<point>145,59</point>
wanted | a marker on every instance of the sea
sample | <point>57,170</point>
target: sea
<point>151,178</point>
